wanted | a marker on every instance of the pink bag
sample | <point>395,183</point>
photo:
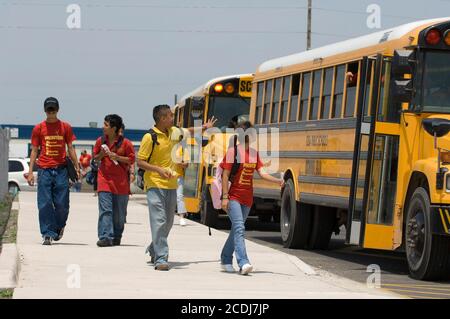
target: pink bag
<point>216,189</point>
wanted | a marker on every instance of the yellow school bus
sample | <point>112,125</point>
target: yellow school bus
<point>362,134</point>
<point>228,100</point>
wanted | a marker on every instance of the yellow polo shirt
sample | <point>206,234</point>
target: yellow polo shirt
<point>162,157</point>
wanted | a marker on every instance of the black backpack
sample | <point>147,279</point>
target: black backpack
<point>140,175</point>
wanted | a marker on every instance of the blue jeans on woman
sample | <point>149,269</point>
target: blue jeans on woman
<point>238,214</point>
<point>53,200</point>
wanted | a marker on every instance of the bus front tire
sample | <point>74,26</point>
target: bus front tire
<point>427,254</point>
<point>295,219</point>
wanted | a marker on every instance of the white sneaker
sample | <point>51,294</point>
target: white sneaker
<point>183,221</point>
<point>228,268</point>
<point>246,269</point>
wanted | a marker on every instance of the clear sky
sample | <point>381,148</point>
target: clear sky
<point>131,55</point>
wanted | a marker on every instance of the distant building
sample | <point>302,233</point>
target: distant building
<point>20,143</point>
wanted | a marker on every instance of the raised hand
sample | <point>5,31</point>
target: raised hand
<point>210,123</point>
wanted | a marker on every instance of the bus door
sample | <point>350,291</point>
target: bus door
<point>193,149</point>
<point>373,213</point>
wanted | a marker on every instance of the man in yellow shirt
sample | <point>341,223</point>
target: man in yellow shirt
<point>160,179</point>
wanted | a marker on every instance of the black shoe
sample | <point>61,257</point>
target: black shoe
<point>104,242</point>
<point>47,241</point>
<point>116,241</point>
<point>60,234</point>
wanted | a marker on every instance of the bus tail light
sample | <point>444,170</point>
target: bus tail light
<point>218,88</point>
<point>447,37</point>
<point>229,88</point>
<point>433,37</point>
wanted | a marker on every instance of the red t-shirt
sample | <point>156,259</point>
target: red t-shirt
<point>114,178</point>
<point>85,160</point>
<point>52,139</point>
<point>241,189</point>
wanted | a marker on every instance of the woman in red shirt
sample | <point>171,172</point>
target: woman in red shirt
<point>237,199</point>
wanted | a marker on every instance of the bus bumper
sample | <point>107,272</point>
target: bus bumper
<point>440,220</point>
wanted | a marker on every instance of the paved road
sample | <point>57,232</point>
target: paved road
<point>75,267</point>
<point>350,262</point>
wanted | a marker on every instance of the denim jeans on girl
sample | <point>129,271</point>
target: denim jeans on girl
<point>238,214</point>
<point>53,200</point>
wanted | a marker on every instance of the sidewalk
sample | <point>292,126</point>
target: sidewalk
<point>123,272</point>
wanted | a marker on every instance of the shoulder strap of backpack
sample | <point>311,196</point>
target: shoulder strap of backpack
<point>236,164</point>
<point>154,142</point>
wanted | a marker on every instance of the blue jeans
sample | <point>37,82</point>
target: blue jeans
<point>112,211</point>
<point>238,214</point>
<point>161,207</point>
<point>53,200</point>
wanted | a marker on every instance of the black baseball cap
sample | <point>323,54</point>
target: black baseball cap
<point>51,103</point>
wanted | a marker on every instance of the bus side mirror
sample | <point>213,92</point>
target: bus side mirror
<point>402,90</point>
<point>197,107</point>
<point>403,62</point>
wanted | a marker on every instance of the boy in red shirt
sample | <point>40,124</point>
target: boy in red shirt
<point>116,154</point>
<point>51,138</point>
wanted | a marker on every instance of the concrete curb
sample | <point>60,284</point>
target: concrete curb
<point>9,266</point>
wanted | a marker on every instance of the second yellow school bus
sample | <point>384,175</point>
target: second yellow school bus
<point>226,98</point>
<point>363,143</point>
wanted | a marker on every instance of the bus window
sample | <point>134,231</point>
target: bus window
<point>326,96</point>
<point>186,112</point>
<point>259,100</point>
<point>436,79</point>
<point>267,102</point>
<point>285,98</point>
<point>276,101</point>
<point>388,111</point>
<point>305,97</point>
<point>368,93</point>
<point>352,82</point>
<point>294,98</point>
<point>315,99</point>
<point>228,110</point>
<point>338,91</point>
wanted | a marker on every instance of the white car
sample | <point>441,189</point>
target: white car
<point>18,174</point>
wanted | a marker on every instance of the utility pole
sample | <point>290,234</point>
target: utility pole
<point>176,99</point>
<point>308,33</point>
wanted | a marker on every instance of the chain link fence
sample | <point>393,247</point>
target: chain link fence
<point>4,154</point>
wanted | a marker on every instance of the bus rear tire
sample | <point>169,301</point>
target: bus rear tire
<point>295,219</point>
<point>323,223</point>
<point>208,215</point>
<point>427,254</point>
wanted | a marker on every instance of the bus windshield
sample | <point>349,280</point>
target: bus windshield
<point>228,110</point>
<point>436,82</point>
